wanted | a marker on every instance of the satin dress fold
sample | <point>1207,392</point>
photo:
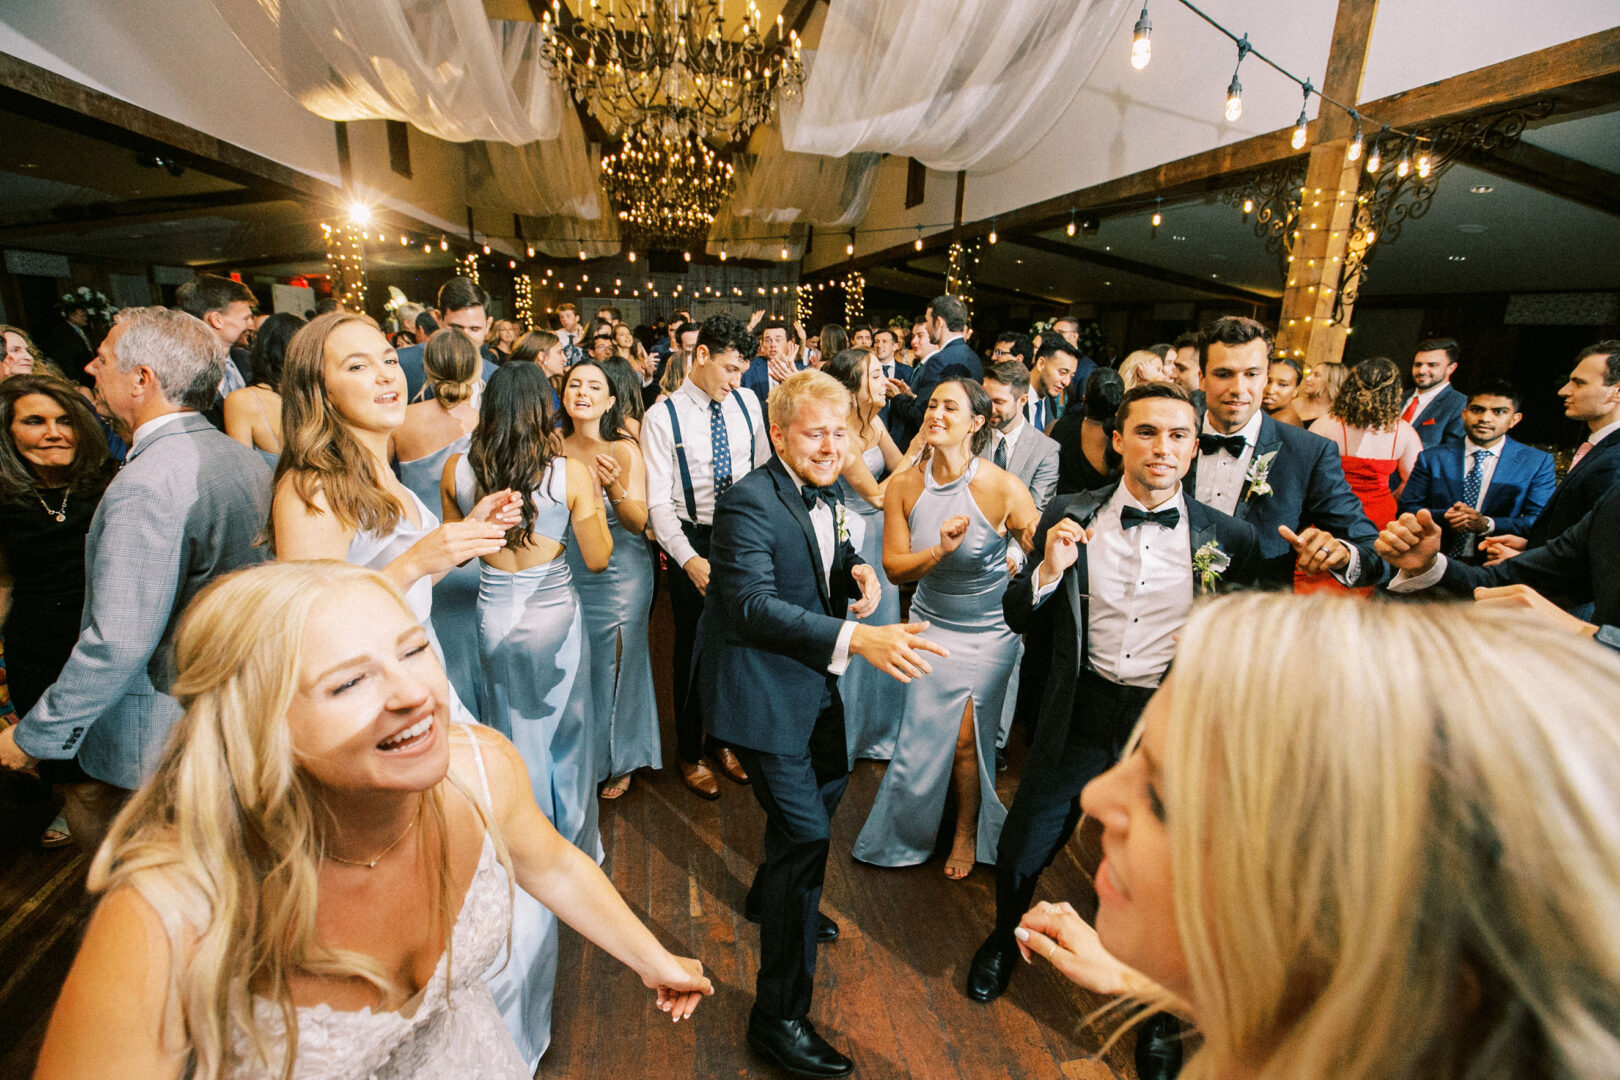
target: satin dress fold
<point>872,700</point>
<point>961,600</point>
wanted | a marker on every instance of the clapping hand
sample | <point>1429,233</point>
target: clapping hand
<point>680,986</point>
<point>1465,518</point>
<point>952,531</point>
<point>1410,542</point>
<point>608,470</point>
<point>1315,549</point>
<point>780,367</point>
<point>871,591</point>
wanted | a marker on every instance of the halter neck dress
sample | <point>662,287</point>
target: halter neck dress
<point>872,699</point>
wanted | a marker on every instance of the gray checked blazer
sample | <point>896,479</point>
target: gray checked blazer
<point>1034,461</point>
<point>183,510</point>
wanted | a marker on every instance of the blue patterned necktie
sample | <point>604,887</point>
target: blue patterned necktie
<point>1039,417</point>
<point>1001,453</point>
<point>722,449</point>
<point>1471,485</point>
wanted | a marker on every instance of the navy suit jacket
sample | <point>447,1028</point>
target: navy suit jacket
<point>1521,485</point>
<point>1583,486</point>
<point>758,377</point>
<point>770,624</point>
<point>904,373</point>
<point>1578,565</point>
<point>1441,422</point>
<point>1307,488</point>
<point>1059,625</point>
<point>955,360</point>
<point>410,362</point>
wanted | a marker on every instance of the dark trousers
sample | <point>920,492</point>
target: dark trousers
<point>1046,806</point>
<point>686,604</point>
<point>799,793</point>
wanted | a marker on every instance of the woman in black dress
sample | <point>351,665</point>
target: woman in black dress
<point>1083,435</point>
<point>53,470</point>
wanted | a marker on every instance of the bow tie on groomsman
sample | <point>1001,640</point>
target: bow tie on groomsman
<point>1130,517</point>
<point>1209,443</point>
<point>813,494</point>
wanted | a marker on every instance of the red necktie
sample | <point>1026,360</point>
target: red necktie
<point>1411,409</point>
<point>1580,452</point>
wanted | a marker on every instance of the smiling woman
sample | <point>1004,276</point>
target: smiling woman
<point>319,874</point>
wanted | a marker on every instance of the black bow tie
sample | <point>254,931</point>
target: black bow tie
<point>812,494</point>
<point>1130,517</point>
<point>1232,444</point>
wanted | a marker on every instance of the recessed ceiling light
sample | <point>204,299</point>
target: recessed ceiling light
<point>1482,189</point>
<point>1108,283</point>
<point>1108,247</point>
<point>1456,258</point>
<point>1020,262</point>
<point>1214,275</point>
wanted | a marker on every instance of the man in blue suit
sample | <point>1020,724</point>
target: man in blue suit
<point>778,358</point>
<point>947,324</point>
<point>1434,406</point>
<point>1286,482</point>
<point>783,573</point>
<point>462,306</point>
<point>1486,482</point>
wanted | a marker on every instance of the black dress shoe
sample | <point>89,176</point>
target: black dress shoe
<point>1001,759</point>
<point>794,1045</point>
<point>826,929</point>
<point>992,970</point>
<point>1158,1048</point>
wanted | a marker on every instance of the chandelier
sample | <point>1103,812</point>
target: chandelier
<point>631,62</point>
<point>668,188</point>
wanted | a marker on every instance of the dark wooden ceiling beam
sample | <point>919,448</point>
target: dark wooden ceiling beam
<point>78,217</point>
<point>1080,253</point>
<point>1544,170</point>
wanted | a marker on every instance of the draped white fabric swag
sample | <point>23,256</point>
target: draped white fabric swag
<point>958,85</point>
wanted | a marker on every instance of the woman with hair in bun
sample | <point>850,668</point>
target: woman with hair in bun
<point>950,524</point>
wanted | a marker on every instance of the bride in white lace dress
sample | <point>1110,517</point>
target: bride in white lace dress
<point>319,852</point>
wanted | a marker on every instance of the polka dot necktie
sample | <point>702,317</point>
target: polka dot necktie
<point>1471,485</point>
<point>722,449</point>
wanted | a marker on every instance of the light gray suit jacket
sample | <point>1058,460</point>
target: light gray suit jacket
<point>1034,461</point>
<point>183,510</point>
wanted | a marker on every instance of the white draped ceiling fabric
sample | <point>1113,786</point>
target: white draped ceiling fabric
<point>964,85</point>
<point>781,192</point>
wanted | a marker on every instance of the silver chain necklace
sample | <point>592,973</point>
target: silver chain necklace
<point>59,515</point>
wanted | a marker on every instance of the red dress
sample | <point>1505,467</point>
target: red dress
<point>1369,480</point>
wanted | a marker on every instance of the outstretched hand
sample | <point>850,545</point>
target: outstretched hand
<point>871,591</point>
<point>1316,550</point>
<point>1057,933</point>
<point>1410,542</point>
<point>1524,598</point>
<point>680,987</point>
<point>896,649</point>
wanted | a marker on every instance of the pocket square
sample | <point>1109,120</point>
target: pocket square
<point>1426,423</point>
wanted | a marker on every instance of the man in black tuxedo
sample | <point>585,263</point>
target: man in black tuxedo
<point>67,343</point>
<point>1121,568</point>
<point>947,323</point>
<point>1591,396</point>
<point>1579,563</point>
<point>782,574</point>
<point>1434,407</point>
<point>1286,482</point>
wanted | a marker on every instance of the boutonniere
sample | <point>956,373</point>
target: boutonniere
<point>1210,562</point>
<point>1259,472</point>
<point>840,523</point>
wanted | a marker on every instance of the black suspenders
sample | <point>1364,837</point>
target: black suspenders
<point>680,454</point>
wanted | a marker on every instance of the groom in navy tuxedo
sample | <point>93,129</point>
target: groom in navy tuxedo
<point>783,573</point>
<point>1286,482</point>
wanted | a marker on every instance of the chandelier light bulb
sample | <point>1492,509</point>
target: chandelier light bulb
<point>1142,41</point>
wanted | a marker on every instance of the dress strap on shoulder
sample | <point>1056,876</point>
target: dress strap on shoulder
<point>478,760</point>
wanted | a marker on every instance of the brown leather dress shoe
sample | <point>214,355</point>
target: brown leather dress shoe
<point>729,766</point>
<point>700,779</point>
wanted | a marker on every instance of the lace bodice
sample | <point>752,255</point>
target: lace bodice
<point>434,1034</point>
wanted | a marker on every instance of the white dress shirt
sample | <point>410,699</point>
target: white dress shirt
<point>1603,433</point>
<point>826,526</point>
<point>1141,590</point>
<point>666,498</point>
<point>1487,467</point>
<point>1010,438</point>
<point>1220,475</point>
<point>152,426</point>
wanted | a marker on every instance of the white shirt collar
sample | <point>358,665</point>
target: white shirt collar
<point>1470,447</point>
<point>151,427</point>
<point>699,396</point>
<point>1603,433</point>
<point>1426,396</point>
<point>1122,498</point>
<point>1250,431</point>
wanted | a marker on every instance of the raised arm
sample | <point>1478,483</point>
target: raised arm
<point>629,493</point>
<point>587,517</point>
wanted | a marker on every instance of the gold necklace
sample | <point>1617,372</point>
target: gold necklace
<point>372,864</point>
<point>59,515</point>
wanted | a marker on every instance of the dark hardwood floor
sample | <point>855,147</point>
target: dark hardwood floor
<point>888,991</point>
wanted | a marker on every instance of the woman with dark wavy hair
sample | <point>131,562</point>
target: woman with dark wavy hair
<point>533,644</point>
<point>1374,443</point>
<point>253,413</point>
<point>53,470</point>
<point>951,523</point>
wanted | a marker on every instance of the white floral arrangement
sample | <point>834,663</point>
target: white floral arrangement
<point>1258,475</point>
<point>93,302</point>
<point>1210,562</point>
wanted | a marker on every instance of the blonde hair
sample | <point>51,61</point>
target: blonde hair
<point>1333,377</point>
<point>1355,856</point>
<point>225,841</point>
<point>1128,366</point>
<point>317,446</point>
<point>800,389</point>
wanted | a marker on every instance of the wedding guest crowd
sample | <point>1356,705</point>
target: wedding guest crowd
<point>303,782</point>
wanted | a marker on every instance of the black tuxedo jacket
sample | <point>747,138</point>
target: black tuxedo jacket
<point>1060,624</point>
<point>1583,487</point>
<point>1307,488</point>
<point>954,360</point>
<point>1579,564</point>
<point>769,624</point>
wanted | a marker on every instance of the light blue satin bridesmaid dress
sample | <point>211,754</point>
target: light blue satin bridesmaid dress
<point>872,700</point>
